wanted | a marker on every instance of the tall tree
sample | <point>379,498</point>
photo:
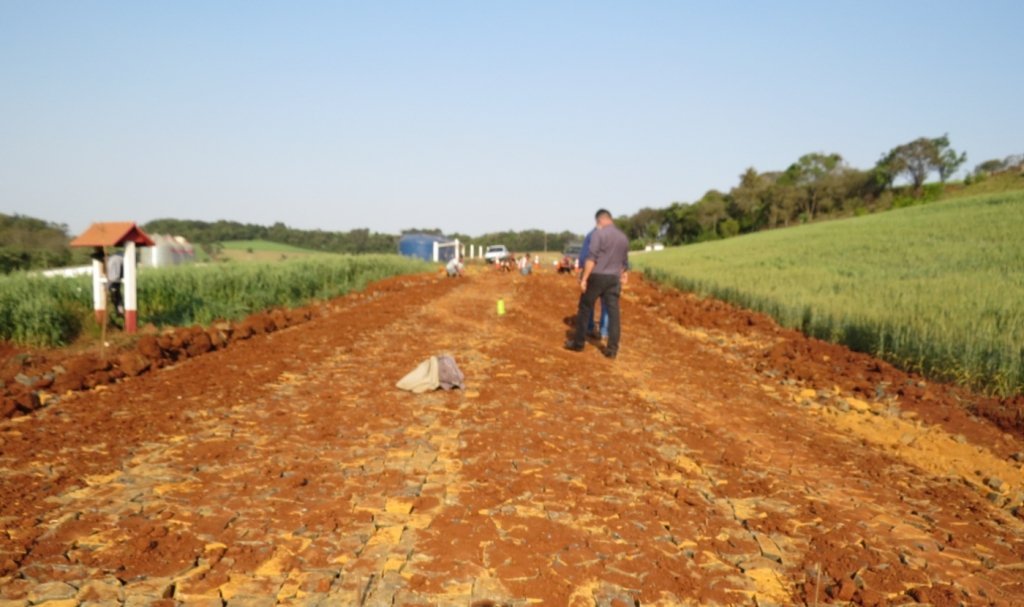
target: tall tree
<point>919,158</point>
<point>915,159</point>
<point>993,165</point>
<point>711,209</point>
<point>809,176</point>
<point>646,225</point>
<point>949,161</point>
<point>681,225</point>
<point>748,200</point>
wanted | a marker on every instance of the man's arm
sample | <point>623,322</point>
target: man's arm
<point>597,245</point>
<point>587,269</point>
<point>624,276</point>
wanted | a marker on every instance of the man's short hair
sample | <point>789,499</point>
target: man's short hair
<point>604,212</point>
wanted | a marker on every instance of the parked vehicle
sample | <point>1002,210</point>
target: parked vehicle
<point>573,250</point>
<point>495,252</point>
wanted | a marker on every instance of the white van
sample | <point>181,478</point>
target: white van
<point>495,252</point>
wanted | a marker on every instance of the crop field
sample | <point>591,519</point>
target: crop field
<point>937,288</point>
<point>262,250</point>
<point>263,245</point>
<point>53,311</point>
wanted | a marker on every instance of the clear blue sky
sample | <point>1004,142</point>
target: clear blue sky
<point>474,116</point>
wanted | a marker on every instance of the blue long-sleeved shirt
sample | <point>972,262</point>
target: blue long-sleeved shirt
<point>585,248</point>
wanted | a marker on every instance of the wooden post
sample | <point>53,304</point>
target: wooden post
<point>130,301</point>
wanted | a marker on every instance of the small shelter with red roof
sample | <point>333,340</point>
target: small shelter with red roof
<point>114,234</point>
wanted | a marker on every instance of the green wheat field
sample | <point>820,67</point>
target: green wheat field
<point>40,311</point>
<point>937,289</point>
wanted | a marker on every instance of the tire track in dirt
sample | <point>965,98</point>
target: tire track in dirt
<point>289,470</point>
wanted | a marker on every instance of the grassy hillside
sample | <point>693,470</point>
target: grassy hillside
<point>988,184</point>
<point>937,288</point>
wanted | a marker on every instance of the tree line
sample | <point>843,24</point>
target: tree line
<point>208,234</point>
<point>355,241</point>
<point>27,243</point>
<point>816,186</point>
<point>525,241</point>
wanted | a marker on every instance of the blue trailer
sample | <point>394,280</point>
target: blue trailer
<point>422,246</point>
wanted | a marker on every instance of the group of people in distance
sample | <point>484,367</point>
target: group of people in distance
<point>523,263</point>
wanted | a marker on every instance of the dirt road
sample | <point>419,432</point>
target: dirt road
<point>719,460</point>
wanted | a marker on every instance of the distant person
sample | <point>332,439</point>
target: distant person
<point>115,273</point>
<point>524,265</point>
<point>454,267</point>
<point>506,262</point>
<point>603,274</point>
<point>566,265</point>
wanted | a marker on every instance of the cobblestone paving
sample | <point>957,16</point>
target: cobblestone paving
<point>289,471</point>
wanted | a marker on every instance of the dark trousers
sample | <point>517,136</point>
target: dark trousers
<point>606,288</point>
<point>116,303</point>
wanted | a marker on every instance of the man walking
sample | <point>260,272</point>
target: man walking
<point>584,253</point>
<point>603,273</point>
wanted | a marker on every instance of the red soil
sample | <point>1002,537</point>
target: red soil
<point>720,459</point>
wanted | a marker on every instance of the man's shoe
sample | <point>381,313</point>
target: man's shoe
<point>571,345</point>
<point>610,354</point>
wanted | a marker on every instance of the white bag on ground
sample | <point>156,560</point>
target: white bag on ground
<point>431,374</point>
